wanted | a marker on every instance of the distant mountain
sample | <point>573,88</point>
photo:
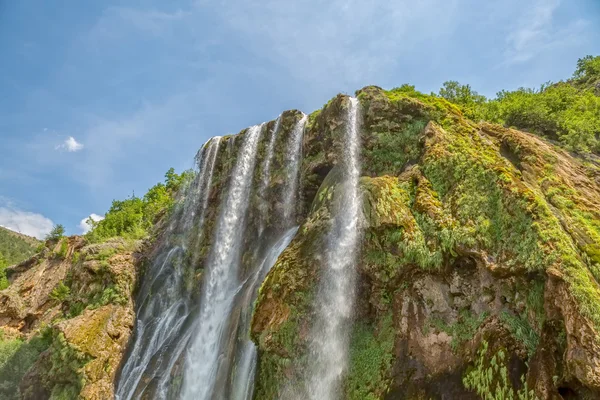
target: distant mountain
<point>16,247</point>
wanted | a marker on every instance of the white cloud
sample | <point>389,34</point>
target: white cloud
<point>25,222</point>
<point>70,145</point>
<point>85,226</point>
<point>535,32</point>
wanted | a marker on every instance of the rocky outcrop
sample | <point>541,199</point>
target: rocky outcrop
<point>75,301</point>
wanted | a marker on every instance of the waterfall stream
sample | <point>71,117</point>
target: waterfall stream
<point>160,331</point>
<point>198,347</point>
<point>221,283</point>
<point>336,292</point>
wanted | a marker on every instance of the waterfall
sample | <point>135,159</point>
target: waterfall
<point>329,337</point>
<point>221,282</point>
<point>243,380</point>
<point>266,174</point>
<point>293,156</point>
<point>192,347</point>
<point>159,337</point>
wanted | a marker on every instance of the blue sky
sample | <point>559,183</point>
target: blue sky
<point>99,99</point>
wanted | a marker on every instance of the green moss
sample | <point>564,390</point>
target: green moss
<point>509,219</point>
<point>370,360</point>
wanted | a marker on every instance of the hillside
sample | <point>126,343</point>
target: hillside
<point>16,247</point>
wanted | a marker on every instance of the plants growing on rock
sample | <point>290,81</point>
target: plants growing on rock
<point>57,232</point>
<point>133,218</point>
<point>489,377</point>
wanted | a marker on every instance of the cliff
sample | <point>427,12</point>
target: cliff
<point>477,269</point>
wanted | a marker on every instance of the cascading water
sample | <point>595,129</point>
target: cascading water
<point>221,283</point>
<point>160,337</point>
<point>266,174</point>
<point>293,156</point>
<point>335,296</point>
<point>243,380</point>
<point>206,342</point>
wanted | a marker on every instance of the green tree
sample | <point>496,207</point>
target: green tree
<point>587,67</point>
<point>568,112</point>
<point>57,232</point>
<point>133,218</point>
<point>472,103</point>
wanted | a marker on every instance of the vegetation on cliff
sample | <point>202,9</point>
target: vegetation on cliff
<point>14,248</point>
<point>475,234</point>
<point>133,218</point>
<point>479,263</point>
<point>65,339</point>
<point>567,111</point>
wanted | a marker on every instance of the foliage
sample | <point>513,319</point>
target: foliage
<point>370,360</point>
<point>566,111</point>
<point>3,279</point>
<point>489,378</point>
<point>57,232</point>
<point>472,103</point>
<point>521,330</point>
<point>64,369</point>
<point>132,218</point>
<point>16,357</point>
<point>395,145</point>
<point>463,329</point>
<point>16,247</point>
<point>61,292</point>
<point>588,69</point>
<point>558,111</point>
<point>63,249</point>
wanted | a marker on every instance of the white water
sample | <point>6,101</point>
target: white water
<point>221,283</point>
<point>243,380</point>
<point>266,175</point>
<point>335,297</point>
<point>160,319</point>
<point>293,156</point>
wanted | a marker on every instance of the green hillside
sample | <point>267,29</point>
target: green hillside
<point>15,247</point>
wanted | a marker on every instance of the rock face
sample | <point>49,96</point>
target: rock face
<point>70,311</point>
<point>478,266</point>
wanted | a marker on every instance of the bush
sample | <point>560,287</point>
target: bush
<point>3,279</point>
<point>61,292</point>
<point>16,358</point>
<point>63,250</point>
<point>132,218</point>
<point>568,112</point>
<point>57,232</point>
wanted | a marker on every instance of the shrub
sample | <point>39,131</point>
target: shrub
<point>568,112</point>
<point>132,218</point>
<point>61,292</point>
<point>16,358</point>
<point>63,250</point>
<point>3,279</point>
<point>57,232</point>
